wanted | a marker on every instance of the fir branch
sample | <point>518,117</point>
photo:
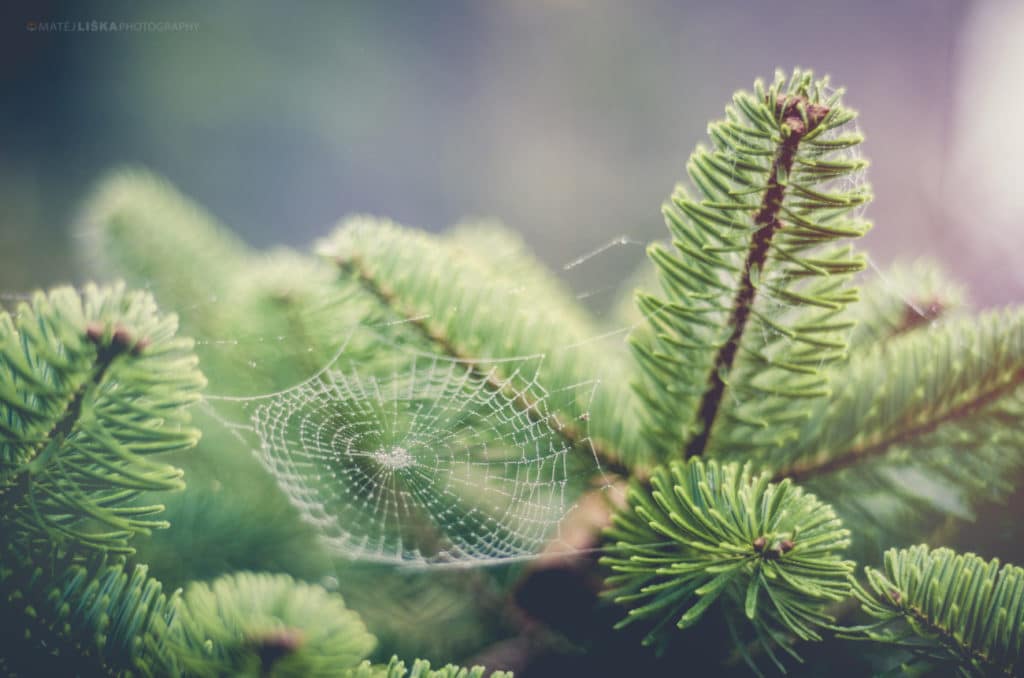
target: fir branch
<point>139,227</point>
<point>14,493</point>
<point>261,624</point>
<point>797,116</point>
<point>92,386</point>
<point>300,301</point>
<point>827,463</point>
<point>349,251</point>
<point>755,285</point>
<point>705,532</point>
<point>75,618</point>
<point>522,400</point>
<point>104,357</point>
<point>954,611</point>
<point>911,389</point>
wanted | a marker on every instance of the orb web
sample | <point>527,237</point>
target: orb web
<point>419,458</point>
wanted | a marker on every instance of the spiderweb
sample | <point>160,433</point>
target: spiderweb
<point>418,458</point>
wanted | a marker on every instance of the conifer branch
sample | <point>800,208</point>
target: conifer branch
<point>504,308</point>
<point>92,385</point>
<point>828,462</point>
<point>955,611</point>
<point>755,283</point>
<point>798,117</point>
<point>920,390</point>
<point>704,532</point>
<point>13,495</point>
<point>522,400</point>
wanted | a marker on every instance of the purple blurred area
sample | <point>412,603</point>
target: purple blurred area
<point>568,120</point>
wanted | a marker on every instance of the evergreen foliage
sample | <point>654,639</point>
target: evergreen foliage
<point>752,355</point>
<point>263,625</point>
<point>921,426</point>
<point>773,419</point>
<point>474,308</point>
<point>91,387</point>
<point>705,531</point>
<point>943,388</point>
<point>62,617</point>
<point>953,612</point>
<point>758,278</point>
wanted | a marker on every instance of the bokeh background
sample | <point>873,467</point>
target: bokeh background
<point>568,119</point>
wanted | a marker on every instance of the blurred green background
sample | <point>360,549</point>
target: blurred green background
<point>569,120</point>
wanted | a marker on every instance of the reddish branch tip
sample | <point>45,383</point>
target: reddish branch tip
<point>278,643</point>
<point>917,314</point>
<point>122,338</point>
<point>94,332</point>
<point>793,108</point>
<point>775,551</point>
<point>141,345</point>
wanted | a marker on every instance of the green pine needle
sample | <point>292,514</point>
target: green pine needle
<point>704,532</point>
<point>756,280</point>
<point>955,612</point>
<point>268,625</point>
<point>90,387</point>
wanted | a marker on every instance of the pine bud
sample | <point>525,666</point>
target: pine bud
<point>122,338</point>
<point>141,345</point>
<point>94,332</point>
